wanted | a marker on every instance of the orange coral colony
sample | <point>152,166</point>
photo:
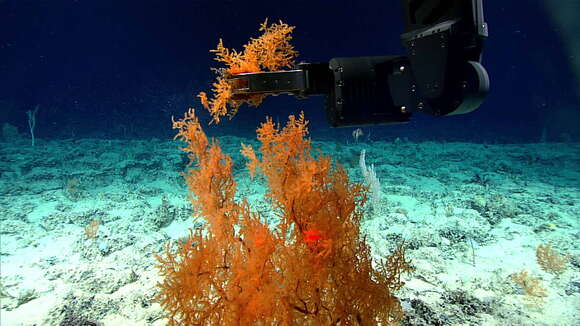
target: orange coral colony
<point>269,52</point>
<point>312,268</point>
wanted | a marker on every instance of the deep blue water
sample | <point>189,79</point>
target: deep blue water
<point>121,69</point>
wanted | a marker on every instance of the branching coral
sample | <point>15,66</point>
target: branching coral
<point>550,260</point>
<point>532,287</point>
<point>269,52</point>
<point>313,269</point>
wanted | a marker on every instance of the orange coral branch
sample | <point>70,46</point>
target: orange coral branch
<point>314,269</point>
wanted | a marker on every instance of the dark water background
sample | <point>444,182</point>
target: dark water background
<point>121,69</point>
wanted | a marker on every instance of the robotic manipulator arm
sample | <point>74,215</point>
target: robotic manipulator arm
<point>440,74</point>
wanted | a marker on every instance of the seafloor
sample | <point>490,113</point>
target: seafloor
<point>471,216</point>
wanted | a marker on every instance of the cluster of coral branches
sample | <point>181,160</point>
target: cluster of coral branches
<point>313,268</point>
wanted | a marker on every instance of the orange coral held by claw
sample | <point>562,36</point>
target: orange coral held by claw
<point>269,52</point>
